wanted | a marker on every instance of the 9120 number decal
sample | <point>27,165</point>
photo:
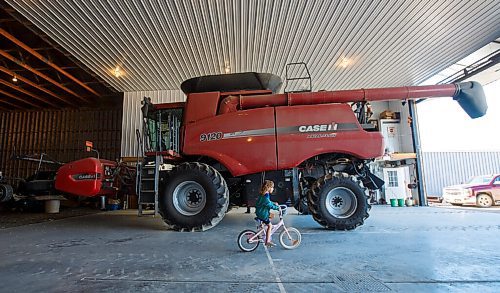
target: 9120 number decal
<point>210,136</point>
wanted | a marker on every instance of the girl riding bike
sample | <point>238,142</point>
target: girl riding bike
<point>263,207</point>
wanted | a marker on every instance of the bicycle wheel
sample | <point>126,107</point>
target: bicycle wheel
<point>243,241</point>
<point>291,239</point>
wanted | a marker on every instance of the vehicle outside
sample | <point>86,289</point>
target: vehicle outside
<point>482,191</point>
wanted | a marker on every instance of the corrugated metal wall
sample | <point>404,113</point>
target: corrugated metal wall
<point>132,114</point>
<point>447,168</point>
<point>59,133</point>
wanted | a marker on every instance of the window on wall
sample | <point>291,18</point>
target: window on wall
<point>393,178</point>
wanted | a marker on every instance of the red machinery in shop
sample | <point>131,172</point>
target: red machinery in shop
<point>233,132</point>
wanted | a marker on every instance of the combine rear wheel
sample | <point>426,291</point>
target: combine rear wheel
<point>338,202</point>
<point>195,198</point>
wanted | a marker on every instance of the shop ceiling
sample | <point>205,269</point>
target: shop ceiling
<point>36,73</point>
<point>155,45</point>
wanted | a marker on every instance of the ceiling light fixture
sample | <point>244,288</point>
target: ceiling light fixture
<point>117,72</point>
<point>14,79</point>
<point>227,67</point>
<point>344,62</point>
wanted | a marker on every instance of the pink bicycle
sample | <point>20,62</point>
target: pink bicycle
<point>289,238</point>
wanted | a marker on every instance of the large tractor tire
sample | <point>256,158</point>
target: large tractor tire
<point>195,197</point>
<point>5,192</point>
<point>338,202</point>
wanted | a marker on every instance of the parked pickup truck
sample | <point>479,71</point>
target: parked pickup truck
<point>482,191</point>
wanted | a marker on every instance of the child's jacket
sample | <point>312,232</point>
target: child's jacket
<point>263,205</point>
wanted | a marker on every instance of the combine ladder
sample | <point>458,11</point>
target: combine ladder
<point>156,146</point>
<point>148,184</point>
<point>147,178</point>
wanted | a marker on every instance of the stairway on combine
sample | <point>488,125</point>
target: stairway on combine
<point>148,178</point>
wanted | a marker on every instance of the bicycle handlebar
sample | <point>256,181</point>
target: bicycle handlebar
<point>282,209</point>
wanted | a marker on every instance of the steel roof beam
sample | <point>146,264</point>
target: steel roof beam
<point>26,66</point>
<point>17,88</point>
<point>10,104</point>
<point>17,98</point>
<point>27,81</point>
<point>45,60</point>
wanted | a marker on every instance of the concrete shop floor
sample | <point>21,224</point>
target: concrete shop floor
<point>411,249</point>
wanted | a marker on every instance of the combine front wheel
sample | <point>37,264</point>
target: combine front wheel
<point>338,203</point>
<point>195,198</point>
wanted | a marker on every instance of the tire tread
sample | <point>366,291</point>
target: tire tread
<point>222,198</point>
<point>332,223</point>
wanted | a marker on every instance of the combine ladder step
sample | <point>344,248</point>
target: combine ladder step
<point>148,178</point>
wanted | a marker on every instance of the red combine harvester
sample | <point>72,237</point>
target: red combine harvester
<point>233,132</point>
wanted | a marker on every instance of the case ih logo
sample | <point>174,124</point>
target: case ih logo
<point>318,127</point>
<point>86,176</point>
<point>309,129</point>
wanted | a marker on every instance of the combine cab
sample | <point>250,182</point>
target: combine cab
<point>234,131</point>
